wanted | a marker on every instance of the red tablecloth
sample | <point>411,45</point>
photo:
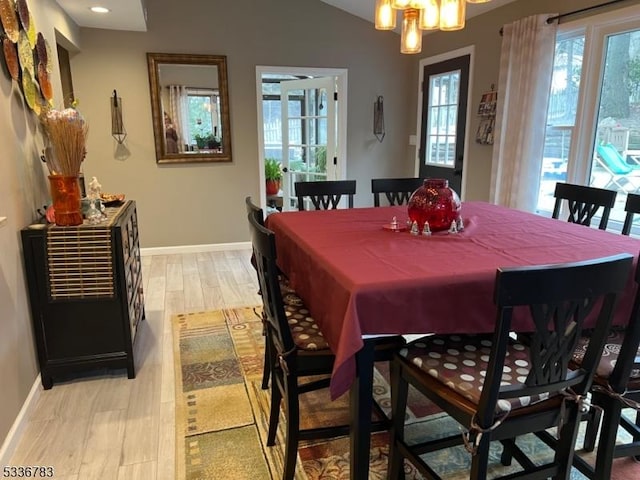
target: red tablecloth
<point>359,279</point>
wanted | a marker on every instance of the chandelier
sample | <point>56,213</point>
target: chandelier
<point>417,15</point>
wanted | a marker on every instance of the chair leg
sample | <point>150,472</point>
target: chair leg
<point>607,442</point>
<point>480,461</point>
<point>274,413</point>
<point>593,425</point>
<point>566,443</point>
<point>636,436</point>
<point>266,371</point>
<point>293,431</point>
<point>277,381</point>
<point>399,395</point>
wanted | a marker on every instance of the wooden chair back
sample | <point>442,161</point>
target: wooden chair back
<point>254,210</point>
<point>631,207</point>
<point>397,190</point>
<point>584,202</point>
<point>264,251</point>
<point>325,195</point>
<point>559,299</point>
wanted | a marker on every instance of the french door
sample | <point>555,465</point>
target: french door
<point>308,133</point>
<point>593,121</point>
<point>444,116</point>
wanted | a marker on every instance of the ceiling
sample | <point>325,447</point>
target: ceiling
<point>364,8</point>
<point>131,14</point>
<point>123,15</point>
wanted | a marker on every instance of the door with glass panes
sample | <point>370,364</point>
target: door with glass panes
<point>308,133</point>
<point>444,116</point>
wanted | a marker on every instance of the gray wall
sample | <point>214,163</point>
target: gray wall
<point>23,189</point>
<point>202,204</point>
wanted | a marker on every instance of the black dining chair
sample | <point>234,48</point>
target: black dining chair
<point>616,386</point>
<point>325,195</point>
<point>298,351</point>
<point>584,202</point>
<point>632,206</point>
<point>258,215</point>
<point>396,190</point>
<point>499,388</point>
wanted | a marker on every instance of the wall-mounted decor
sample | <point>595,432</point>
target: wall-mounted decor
<point>117,125</point>
<point>190,107</point>
<point>27,54</point>
<point>378,118</point>
<point>487,112</point>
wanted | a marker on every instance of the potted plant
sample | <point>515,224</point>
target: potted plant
<point>206,140</point>
<point>272,175</point>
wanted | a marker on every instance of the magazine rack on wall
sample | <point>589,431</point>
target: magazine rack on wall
<point>487,112</point>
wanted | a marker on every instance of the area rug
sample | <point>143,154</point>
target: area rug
<point>222,413</point>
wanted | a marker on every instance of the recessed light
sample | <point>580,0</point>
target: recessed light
<point>99,10</point>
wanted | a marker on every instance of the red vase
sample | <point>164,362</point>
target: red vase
<point>434,202</point>
<point>65,193</point>
<point>272,187</point>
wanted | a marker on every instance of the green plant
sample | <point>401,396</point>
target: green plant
<point>272,169</point>
<point>321,159</point>
<point>203,140</point>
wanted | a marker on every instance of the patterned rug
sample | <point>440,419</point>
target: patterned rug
<point>222,413</point>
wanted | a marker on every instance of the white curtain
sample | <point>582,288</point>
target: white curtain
<point>178,108</point>
<point>526,64</point>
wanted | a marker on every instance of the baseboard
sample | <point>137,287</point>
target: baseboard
<point>15,433</point>
<point>213,247</point>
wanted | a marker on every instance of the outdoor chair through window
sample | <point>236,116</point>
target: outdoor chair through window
<point>621,173</point>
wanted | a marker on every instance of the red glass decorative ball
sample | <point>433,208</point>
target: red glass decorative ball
<point>434,202</point>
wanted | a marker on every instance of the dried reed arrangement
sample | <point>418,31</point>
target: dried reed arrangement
<point>67,134</point>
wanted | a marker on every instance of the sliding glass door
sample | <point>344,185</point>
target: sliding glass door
<point>593,120</point>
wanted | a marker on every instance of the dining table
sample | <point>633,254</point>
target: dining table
<point>361,278</point>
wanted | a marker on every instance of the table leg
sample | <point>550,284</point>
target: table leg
<point>361,404</point>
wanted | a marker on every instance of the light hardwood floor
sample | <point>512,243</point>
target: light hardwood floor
<point>107,427</point>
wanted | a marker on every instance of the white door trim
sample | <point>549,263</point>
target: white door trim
<point>460,52</point>
<point>341,84</point>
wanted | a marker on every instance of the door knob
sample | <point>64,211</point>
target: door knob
<point>285,169</point>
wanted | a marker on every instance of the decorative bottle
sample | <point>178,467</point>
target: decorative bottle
<point>434,202</point>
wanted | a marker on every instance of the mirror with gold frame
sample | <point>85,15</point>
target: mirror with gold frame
<point>190,107</point>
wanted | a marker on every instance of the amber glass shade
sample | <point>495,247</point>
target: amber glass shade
<point>434,202</point>
<point>452,14</point>
<point>411,39</point>
<point>385,15</point>
<point>400,4</point>
<point>430,15</point>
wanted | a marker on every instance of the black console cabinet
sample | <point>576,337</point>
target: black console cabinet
<point>85,292</point>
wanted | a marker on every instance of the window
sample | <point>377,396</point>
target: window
<point>593,120</point>
<point>443,119</point>
<point>204,118</point>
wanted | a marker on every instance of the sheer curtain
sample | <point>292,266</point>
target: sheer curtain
<point>526,63</point>
<point>178,110</point>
